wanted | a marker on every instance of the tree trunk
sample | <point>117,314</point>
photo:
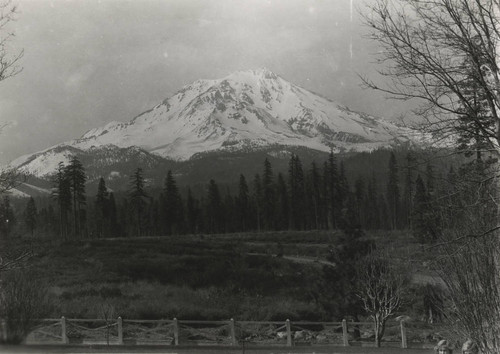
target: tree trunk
<point>377,329</point>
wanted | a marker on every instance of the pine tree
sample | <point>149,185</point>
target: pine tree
<point>51,220</point>
<point>230,213</point>
<point>258,195</point>
<point>138,200</point>
<point>393,194</point>
<point>384,213</point>
<point>332,190</point>
<point>407,200</point>
<point>214,211</point>
<point>297,193</point>
<point>283,209</point>
<point>101,208</point>
<point>62,194</point>
<point>115,228</point>
<point>76,177</point>
<point>422,217</point>
<point>315,195</point>
<point>243,204</point>
<point>7,217</point>
<point>373,212</point>
<point>268,200</point>
<point>360,203</point>
<point>173,208</point>
<point>30,216</point>
<point>430,180</point>
<point>192,213</point>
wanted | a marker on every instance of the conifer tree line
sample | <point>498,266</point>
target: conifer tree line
<point>315,197</point>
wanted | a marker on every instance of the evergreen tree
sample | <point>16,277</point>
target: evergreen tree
<point>153,214</point>
<point>393,194</point>
<point>30,216</point>
<point>315,195</point>
<point>173,207</point>
<point>258,195</point>
<point>138,201</point>
<point>283,208</point>
<point>332,190</point>
<point>430,180</point>
<point>76,177</point>
<point>7,217</point>
<point>62,194</point>
<point>214,211</point>
<point>422,217</point>
<point>297,193</point>
<point>192,213</point>
<point>230,214</point>
<point>51,220</point>
<point>384,213</point>
<point>127,219</point>
<point>115,228</point>
<point>243,204</point>
<point>268,194</point>
<point>373,212</point>
<point>407,200</point>
<point>360,201</point>
<point>101,208</point>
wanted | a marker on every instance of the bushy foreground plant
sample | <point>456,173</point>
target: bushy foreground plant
<point>23,300</point>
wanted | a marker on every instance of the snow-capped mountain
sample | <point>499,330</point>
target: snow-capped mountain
<point>245,110</point>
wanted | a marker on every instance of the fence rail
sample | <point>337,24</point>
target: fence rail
<point>191,332</point>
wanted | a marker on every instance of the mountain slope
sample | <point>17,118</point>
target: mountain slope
<point>244,111</point>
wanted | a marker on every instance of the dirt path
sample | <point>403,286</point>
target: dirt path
<point>298,259</point>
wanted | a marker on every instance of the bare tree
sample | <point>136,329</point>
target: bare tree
<point>381,289</point>
<point>9,67</point>
<point>446,55</point>
<point>23,299</point>
<point>107,312</point>
<point>442,53</point>
<point>9,62</point>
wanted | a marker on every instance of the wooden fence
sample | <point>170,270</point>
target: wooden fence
<point>222,333</point>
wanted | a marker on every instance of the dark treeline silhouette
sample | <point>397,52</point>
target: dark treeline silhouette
<point>314,197</point>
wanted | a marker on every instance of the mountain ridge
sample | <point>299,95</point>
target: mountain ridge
<point>246,110</point>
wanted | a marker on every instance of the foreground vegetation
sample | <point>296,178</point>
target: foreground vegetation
<point>243,276</point>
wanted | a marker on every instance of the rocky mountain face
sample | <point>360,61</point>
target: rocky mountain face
<point>245,111</point>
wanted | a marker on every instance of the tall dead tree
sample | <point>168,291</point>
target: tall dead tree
<point>446,55</point>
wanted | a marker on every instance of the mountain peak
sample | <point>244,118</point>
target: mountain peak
<point>245,110</point>
<point>265,72</point>
<point>256,74</point>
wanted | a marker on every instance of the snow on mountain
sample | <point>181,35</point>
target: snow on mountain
<point>245,110</point>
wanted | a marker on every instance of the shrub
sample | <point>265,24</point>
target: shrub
<point>23,299</point>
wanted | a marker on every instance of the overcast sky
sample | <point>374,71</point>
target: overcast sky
<point>89,62</point>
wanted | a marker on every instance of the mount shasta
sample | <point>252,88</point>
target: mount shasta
<point>245,111</point>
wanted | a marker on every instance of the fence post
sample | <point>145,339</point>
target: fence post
<point>404,343</point>
<point>176,332</point>
<point>119,324</point>
<point>232,331</point>
<point>3,326</point>
<point>64,335</point>
<point>345,335</point>
<point>288,333</point>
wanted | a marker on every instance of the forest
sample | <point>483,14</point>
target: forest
<point>407,190</point>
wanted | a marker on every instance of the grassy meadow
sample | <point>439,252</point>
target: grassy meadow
<point>267,276</point>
